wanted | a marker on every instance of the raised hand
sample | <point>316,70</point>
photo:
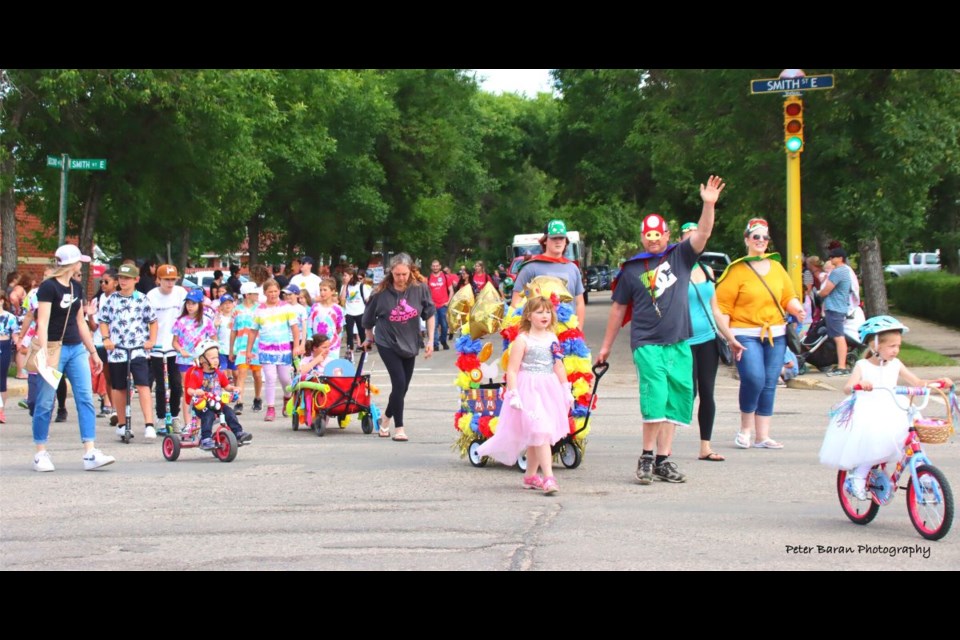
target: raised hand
<point>711,192</point>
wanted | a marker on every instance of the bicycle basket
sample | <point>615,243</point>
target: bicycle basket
<point>935,430</point>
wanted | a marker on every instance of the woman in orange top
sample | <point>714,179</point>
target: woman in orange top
<point>752,293</point>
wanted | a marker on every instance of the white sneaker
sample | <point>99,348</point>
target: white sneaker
<point>42,461</point>
<point>94,459</point>
<point>149,433</point>
<point>122,429</point>
<point>176,425</point>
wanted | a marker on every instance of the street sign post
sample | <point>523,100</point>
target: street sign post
<point>787,85</point>
<point>66,165</point>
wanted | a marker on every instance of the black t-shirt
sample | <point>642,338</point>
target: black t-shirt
<point>282,280</point>
<point>63,300</point>
<point>233,284</point>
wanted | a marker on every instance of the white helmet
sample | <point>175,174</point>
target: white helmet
<point>205,346</point>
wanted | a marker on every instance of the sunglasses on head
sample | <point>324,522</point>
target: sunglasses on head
<point>757,236</point>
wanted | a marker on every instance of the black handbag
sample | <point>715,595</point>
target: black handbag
<point>793,339</point>
<point>723,347</point>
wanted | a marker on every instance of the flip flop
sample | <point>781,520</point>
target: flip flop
<point>713,456</point>
<point>384,433</point>
<point>400,437</point>
<point>742,440</point>
<point>769,443</point>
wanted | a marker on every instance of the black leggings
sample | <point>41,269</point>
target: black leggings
<point>706,358</point>
<point>176,386</point>
<point>62,394</point>
<point>400,370</point>
<point>351,322</point>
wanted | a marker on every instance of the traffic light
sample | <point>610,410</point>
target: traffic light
<point>793,124</point>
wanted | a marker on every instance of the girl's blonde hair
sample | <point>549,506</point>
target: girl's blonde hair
<point>306,298</point>
<point>536,303</point>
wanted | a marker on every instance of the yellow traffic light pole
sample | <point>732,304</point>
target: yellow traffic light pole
<point>794,244</point>
<point>793,145</point>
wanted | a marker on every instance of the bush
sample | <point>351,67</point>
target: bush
<point>933,296</point>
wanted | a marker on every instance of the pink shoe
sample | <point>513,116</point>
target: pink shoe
<point>271,415</point>
<point>532,482</point>
<point>550,486</point>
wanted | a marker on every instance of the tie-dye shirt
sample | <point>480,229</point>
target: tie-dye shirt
<point>329,321</point>
<point>190,334</point>
<point>242,323</point>
<point>274,324</point>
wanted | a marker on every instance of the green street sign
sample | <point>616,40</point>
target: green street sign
<point>54,161</point>
<point>86,164</point>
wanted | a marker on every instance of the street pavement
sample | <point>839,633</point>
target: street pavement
<point>351,501</point>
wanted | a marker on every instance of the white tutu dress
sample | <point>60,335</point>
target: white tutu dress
<point>544,418</point>
<point>877,427</point>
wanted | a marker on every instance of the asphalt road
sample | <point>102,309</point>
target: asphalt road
<point>350,501</point>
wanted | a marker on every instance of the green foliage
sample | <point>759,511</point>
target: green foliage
<point>914,356</point>
<point>931,295</point>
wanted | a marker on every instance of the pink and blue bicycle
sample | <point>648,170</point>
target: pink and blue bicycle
<point>929,496</point>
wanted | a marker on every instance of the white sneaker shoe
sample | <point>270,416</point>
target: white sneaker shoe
<point>176,425</point>
<point>42,461</point>
<point>122,429</point>
<point>149,434</point>
<point>94,459</point>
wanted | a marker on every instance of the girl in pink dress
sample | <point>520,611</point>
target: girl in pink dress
<point>538,397</point>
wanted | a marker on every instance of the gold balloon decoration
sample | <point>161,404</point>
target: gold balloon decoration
<point>486,351</point>
<point>458,310</point>
<point>546,285</point>
<point>487,312</point>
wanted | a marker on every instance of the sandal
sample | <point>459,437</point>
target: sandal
<point>384,429</point>
<point>769,443</point>
<point>713,456</point>
<point>742,440</point>
<point>400,437</point>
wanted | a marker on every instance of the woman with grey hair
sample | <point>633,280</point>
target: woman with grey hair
<point>395,309</point>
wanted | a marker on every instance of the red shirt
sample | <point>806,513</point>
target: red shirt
<point>195,378</point>
<point>439,288</point>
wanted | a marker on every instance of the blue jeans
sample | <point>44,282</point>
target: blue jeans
<point>440,331</point>
<point>759,369</point>
<point>75,366</point>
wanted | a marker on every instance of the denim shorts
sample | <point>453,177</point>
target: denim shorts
<point>834,321</point>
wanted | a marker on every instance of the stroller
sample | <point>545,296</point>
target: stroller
<point>820,351</point>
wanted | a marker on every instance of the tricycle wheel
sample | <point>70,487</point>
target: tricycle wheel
<point>522,463</point>
<point>227,445</point>
<point>171,447</point>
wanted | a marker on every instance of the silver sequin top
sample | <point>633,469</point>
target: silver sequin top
<point>538,358</point>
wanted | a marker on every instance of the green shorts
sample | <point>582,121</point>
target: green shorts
<point>666,382</point>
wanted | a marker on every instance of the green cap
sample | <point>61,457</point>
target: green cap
<point>128,271</point>
<point>555,229</point>
<point>688,226</point>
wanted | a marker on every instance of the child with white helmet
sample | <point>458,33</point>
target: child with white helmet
<point>204,384</point>
<point>876,429</point>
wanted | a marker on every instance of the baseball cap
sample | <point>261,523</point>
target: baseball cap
<point>653,227</point>
<point>195,295</point>
<point>555,229</point>
<point>248,287</point>
<point>70,254</point>
<point>226,298</point>
<point>128,271</point>
<point>292,288</point>
<point>167,271</point>
<point>306,260</point>
<point>689,226</point>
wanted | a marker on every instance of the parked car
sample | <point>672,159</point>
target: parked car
<point>929,261</point>
<point>205,279</point>
<point>716,261</point>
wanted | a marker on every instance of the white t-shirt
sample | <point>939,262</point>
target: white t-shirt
<point>97,336</point>
<point>353,298</point>
<point>168,308</point>
<point>311,283</point>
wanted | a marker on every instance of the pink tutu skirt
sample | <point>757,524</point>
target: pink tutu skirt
<point>543,420</point>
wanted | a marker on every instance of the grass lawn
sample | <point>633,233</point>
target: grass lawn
<point>914,356</point>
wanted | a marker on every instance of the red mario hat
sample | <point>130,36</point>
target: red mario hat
<point>654,226</point>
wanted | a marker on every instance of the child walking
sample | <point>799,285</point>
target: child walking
<point>9,330</point>
<point>190,329</point>
<point>275,323</point>
<point>246,347</point>
<point>223,323</point>
<point>327,316</point>
<point>876,429</point>
<point>204,384</point>
<point>539,398</point>
<point>128,325</point>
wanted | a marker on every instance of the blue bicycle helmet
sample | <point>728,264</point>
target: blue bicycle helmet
<point>880,324</point>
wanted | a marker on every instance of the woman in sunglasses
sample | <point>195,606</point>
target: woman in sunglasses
<point>753,294</point>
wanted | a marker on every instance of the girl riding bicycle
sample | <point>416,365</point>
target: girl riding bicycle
<point>875,431</point>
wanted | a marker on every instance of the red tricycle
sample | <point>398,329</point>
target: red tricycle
<point>223,437</point>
